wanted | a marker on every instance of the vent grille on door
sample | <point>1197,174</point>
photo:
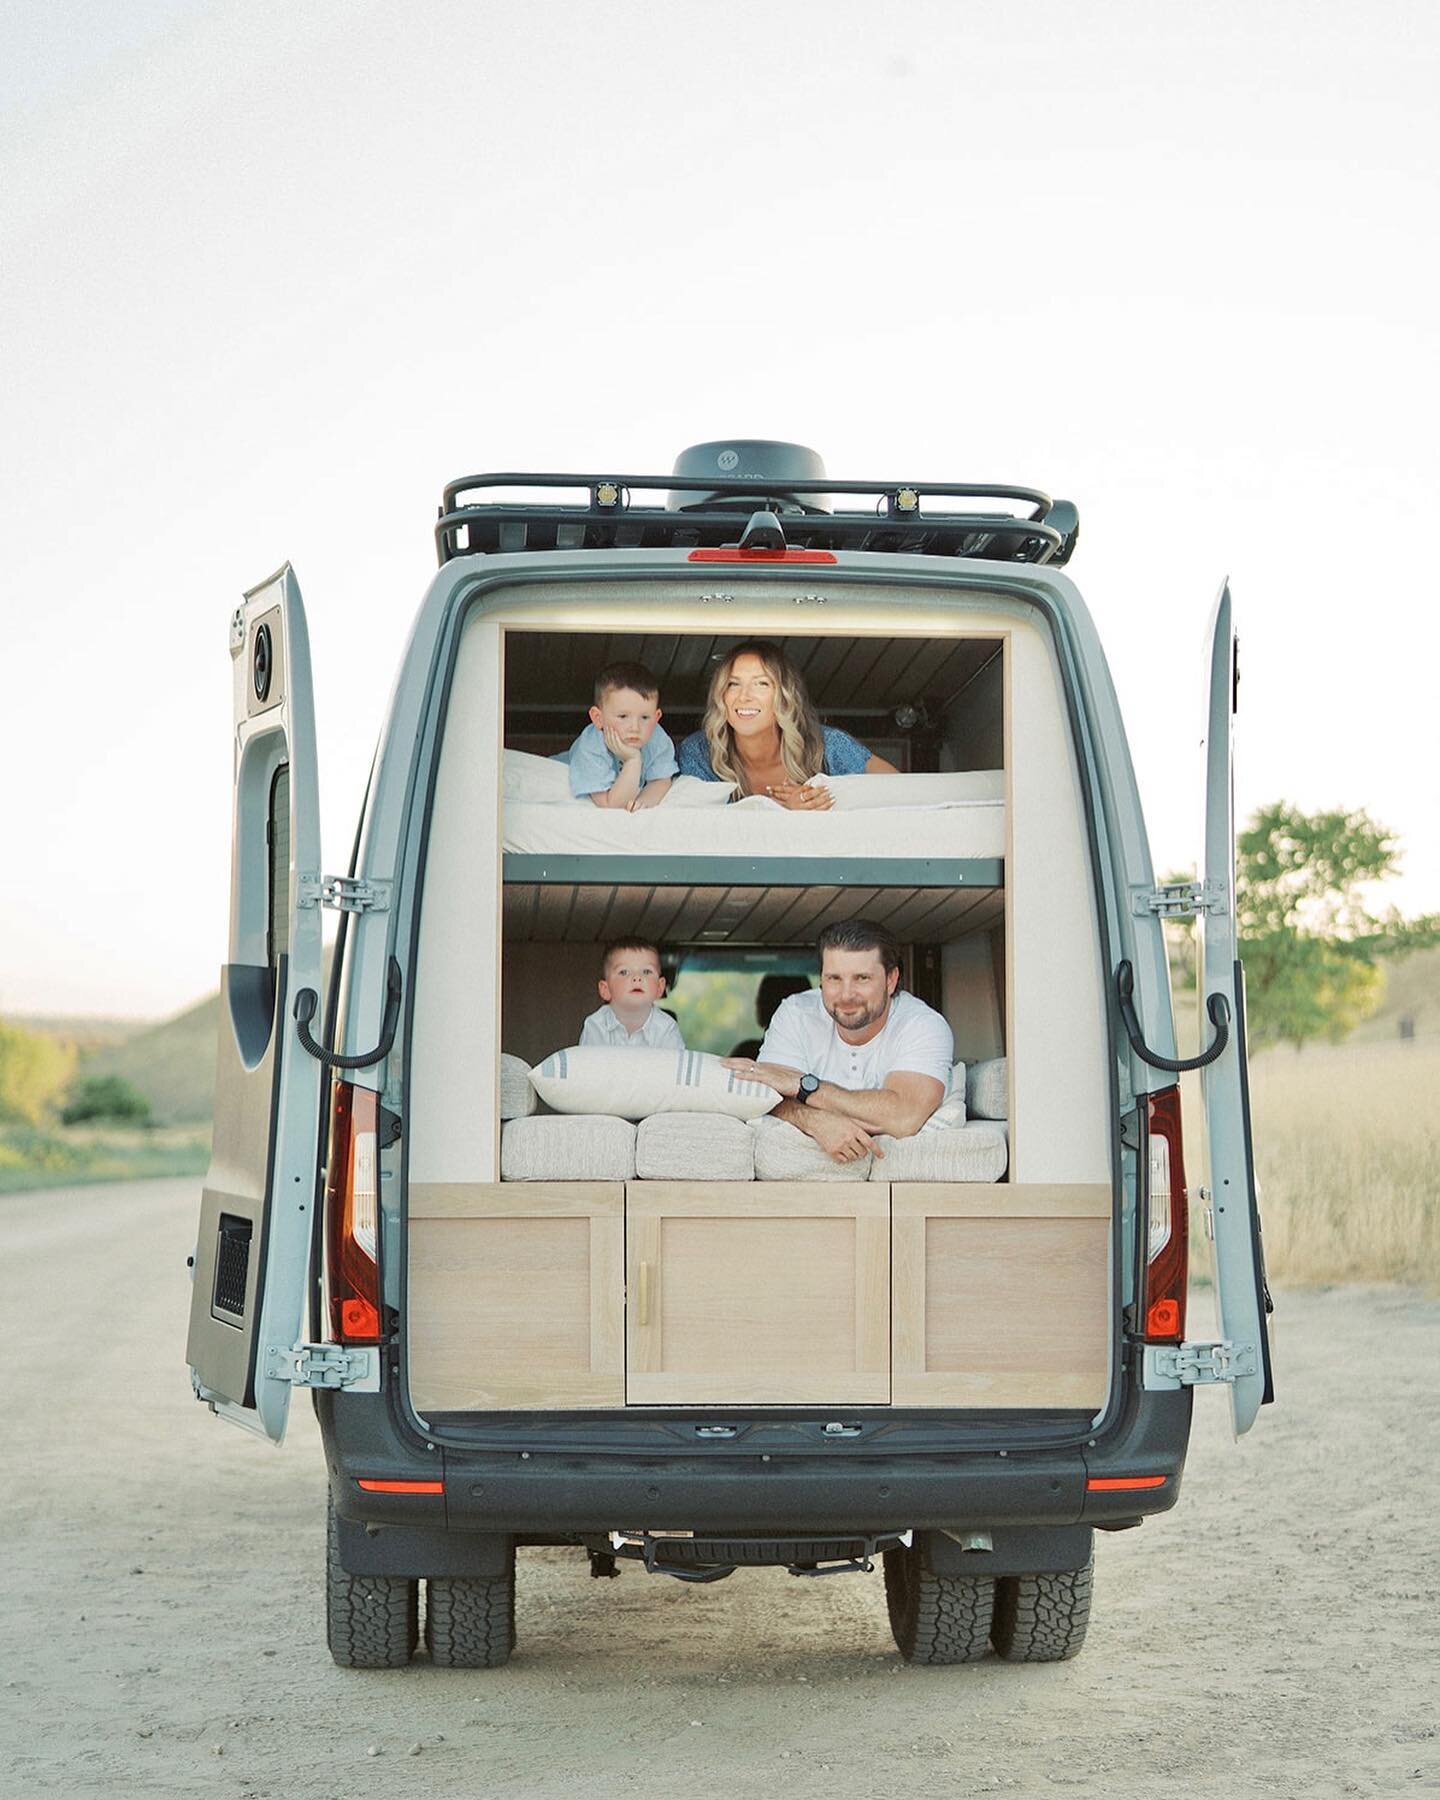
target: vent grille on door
<point>232,1266</point>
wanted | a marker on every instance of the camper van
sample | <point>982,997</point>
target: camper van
<point>604,1298</point>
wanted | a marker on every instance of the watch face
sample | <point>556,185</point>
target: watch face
<point>808,1084</point>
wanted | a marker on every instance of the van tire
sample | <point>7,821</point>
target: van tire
<point>371,1621</point>
<point>1042,1618</point>
<point>470,1620</point>
<point>936,1619</point>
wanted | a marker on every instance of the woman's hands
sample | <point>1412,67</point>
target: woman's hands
<point>797,796</point>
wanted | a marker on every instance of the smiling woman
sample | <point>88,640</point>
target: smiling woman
<point>761,731</point>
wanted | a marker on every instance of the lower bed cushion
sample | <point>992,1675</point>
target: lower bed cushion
<point>711,1147</point>
<point>694,1147</point>
<point>567,1147</point>
<point>975,1151</point>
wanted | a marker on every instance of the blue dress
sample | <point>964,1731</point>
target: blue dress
<point>844,755</point>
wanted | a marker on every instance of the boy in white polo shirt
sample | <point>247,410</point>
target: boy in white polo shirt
<point>630,984</point>
<point>856,1059</point>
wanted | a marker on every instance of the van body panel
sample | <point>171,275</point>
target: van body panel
<point>257,1206</point>
<point>1056,982</point>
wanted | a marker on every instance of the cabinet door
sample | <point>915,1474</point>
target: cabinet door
<point>763,1293</point>
<point>1001,1294</point>
<point>516,1295</point>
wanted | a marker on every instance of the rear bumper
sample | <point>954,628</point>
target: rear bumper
<point>722,1490</point>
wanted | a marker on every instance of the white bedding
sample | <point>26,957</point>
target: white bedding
<point>758,827</point>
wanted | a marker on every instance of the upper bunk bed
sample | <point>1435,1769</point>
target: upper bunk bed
<point>931,706</point>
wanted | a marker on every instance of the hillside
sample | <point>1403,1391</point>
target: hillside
<point>172,1064</point>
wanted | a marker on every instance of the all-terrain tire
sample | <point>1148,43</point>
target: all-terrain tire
<point>1042,1618</point>
<point>470,1620</point>
<point>936,1619</point>
<point>371,1621</point>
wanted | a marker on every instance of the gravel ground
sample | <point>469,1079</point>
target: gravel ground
<point>161,1584</point>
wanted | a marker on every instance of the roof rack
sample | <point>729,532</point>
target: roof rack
<point>610,520</point>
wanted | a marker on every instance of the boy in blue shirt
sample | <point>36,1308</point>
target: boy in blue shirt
<point>622,758</point>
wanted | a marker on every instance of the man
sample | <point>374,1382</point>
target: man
<point>854,1059</point>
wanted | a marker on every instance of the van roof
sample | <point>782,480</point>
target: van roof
<point>767,520</point>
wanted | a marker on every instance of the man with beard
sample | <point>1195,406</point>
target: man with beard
<point>855,1057</point>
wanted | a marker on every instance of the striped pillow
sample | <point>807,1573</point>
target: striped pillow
<point>633,1084</point>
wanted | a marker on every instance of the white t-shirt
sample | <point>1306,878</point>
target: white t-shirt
<point>915,1040</point>
<point>659,1032</point>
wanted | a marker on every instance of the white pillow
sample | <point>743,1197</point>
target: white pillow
<point>536,778</point>
<point>960,788</point>
<point>690,790</point>
<point>517,1097</point>
<point>633,1084</point>
<point>987,1092</point>
<point>951,1110</point>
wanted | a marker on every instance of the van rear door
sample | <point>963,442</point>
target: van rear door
<point>257,1208</point>
<point>1243,1303</point>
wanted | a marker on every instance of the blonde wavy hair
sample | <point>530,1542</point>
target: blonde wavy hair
<point>802,743</point>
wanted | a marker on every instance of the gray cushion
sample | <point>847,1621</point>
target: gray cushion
<point>977,1151</point>
<point>689,1146</point>
<point>987,1093</point>
<point>575,1147</point>
<point>517,1097</point>
<point>784,1153</point>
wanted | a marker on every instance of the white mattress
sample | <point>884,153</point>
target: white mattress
<point>757,827</point>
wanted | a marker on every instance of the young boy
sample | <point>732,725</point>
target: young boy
<point>630,984</point>
<point>622,758</point>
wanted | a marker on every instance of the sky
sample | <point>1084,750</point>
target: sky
<point>270,275</point>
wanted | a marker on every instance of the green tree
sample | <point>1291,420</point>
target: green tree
<point>1312,949</point>
<point>35,1070</point>
<point>105,1097</point>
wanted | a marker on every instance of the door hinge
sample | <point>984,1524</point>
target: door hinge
<point>1198,1365</point>
<point>325,1366</point>
<point>1179,899</point>
<point>345,893</point>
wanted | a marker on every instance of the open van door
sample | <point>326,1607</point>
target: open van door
<point>1242,1299</point>
<point>252,1257</point>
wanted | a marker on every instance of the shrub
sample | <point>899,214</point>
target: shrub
<point>107,1097</point>
<point>34,1072</point>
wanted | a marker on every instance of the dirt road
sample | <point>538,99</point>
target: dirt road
<point>1274,1635</point>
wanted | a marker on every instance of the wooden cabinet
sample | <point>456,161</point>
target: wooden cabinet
<point>517,1295</point>
<point>551,1295</point>
<point>1001,1294</point>
<point>759,1293</point>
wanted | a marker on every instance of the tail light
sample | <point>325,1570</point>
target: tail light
<point>1167,1241</point>
<point>352,1217</point>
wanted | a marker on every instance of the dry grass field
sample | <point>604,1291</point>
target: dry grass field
<point>1347,1152</point>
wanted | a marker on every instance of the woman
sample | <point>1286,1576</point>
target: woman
<point>760,731</point>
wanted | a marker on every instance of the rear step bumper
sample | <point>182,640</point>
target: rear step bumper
<point>723,1492</point>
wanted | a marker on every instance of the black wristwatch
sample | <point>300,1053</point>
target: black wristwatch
<point>808,1085</point>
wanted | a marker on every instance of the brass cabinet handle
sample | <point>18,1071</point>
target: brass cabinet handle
<point>643,1317</point>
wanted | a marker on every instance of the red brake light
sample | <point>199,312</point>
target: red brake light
<point>734,554</point>
<point>352,1216</point>
<point>1167,1237</point>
